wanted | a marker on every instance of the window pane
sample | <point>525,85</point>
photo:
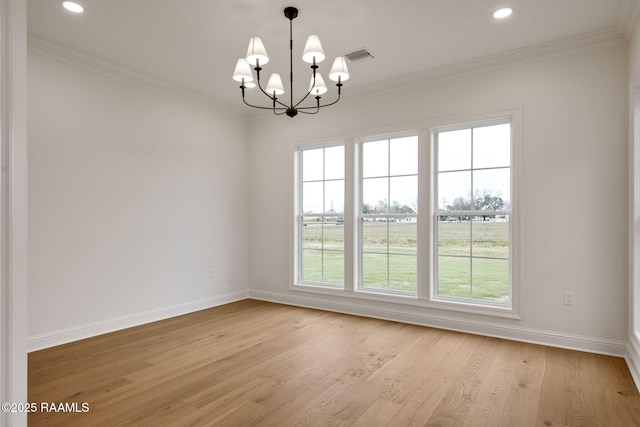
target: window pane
<point>312,165</point>
<point>333,234</point>
<point>312,265</point>
<point>492,146</point>
<point>312,197</point>
<point>333,267</point>
<point>403,236</point>
<point>454,236</point>
<point>374,271</point>
<point>454,191</point>
<point>404,195</point>
<point>404,156</point>
<point>403,274</point>
<point>375,193</point>
<point>491,238</point>
<point>491,279</point>
<point>334,162</point>
<point>454,150</point>
<point>454,276</point>
<point>312,233</point>
<point>375,235</point>
<point>334,196</point>
<point>492,188</point>
<point>375,159</point>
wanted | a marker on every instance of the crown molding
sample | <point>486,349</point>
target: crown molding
<point>512,58</point>
<point>628,18</point>
<point>515,57</point>
<point>45,48</point>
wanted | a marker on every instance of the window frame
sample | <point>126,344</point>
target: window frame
<point>436,213</point>
<point>427,206</point>
<point>300,215</point>
<point>360,217</point>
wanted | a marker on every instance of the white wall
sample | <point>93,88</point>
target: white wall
<point>134,195</point>
<point>573,191</point>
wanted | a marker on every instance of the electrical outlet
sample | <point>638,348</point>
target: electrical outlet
<point>212,273</point>
<point>569,298</point>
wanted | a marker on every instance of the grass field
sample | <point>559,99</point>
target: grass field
<point>472,262</point>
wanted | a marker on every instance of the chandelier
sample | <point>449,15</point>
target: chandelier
<point>313,54</point>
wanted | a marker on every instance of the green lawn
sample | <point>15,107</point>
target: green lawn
<point>459,274</point>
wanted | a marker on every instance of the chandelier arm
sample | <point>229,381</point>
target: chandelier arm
<point>314,67</point>
<point>324,105</point>
<point>317,107</point>
<point>302,100</point>
<point>262,108</point>
<point>309,112</point>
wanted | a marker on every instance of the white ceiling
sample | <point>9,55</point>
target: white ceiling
<point>194,44</point>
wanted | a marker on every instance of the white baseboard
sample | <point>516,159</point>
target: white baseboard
<point>633,358</point>
<point>54,338</point>
<point>451,322</point>
<point>630,351</point>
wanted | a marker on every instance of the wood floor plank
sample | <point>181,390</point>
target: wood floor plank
<point>463,391</point>
<point>521,406</point>
<point>257,363</point>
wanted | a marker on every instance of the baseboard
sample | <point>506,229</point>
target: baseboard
<point>451,322</point>
<point>630,351</point>
<point>51,339</point>
<point>633,358</point>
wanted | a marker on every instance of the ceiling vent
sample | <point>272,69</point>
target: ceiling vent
<point>360,55</point>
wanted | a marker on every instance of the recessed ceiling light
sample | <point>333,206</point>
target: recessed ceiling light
<point>73,6</point>
<point>505,12</point>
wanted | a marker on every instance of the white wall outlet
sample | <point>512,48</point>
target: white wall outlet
<point>212,273</point>
<point>569,298</point>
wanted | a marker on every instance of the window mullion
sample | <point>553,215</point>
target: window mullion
<point>473,206</point>
<point>426,207</point>
<point>350,206</point>
<point>388,187</point>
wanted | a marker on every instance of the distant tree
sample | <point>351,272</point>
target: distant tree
<point>367,209</point>
<point>381,207</point>
<point>486,201</point>
<point>396,207</point>
<point>460,204</point>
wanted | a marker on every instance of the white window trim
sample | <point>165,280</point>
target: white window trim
<point>426,210</point>
<point>297,203</point>
<point>435,211</point>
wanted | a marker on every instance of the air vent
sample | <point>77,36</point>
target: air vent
<point>360,55</point>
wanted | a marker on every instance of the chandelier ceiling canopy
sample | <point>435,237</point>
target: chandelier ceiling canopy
<point>313,54</point>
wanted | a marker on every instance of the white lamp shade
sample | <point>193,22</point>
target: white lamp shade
<point>313,50</point>
<point>319,88</point>
<point>242,71</point>
<point>256,52</point>
<point>339,71</point>
<point>275,85</point>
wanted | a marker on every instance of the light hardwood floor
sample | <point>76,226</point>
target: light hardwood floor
<point>258,363</point>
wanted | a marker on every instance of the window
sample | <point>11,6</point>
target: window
<point>389,214</point>
<point>423,217</point>
<point>321,259</point>
<point>473,199</point>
